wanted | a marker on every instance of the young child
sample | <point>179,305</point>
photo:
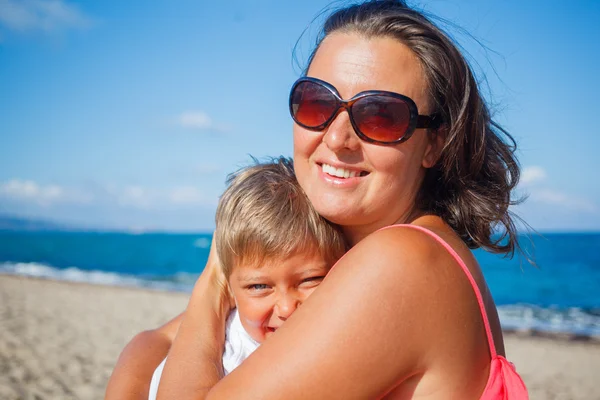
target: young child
<point>274,250</point>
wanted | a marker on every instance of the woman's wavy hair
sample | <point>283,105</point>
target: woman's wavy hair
<point>470,187</point>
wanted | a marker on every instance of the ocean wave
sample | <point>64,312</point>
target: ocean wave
<point>180,282</point>
<point>202,243</point>
<point>514,317</point>
<point>573,320</point>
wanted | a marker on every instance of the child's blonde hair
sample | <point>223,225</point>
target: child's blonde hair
<point>264,214</point>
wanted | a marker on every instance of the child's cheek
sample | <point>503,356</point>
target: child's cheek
<point>253,323</point>
<point>254,328</point>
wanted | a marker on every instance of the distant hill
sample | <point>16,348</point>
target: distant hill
<point>13,223</point>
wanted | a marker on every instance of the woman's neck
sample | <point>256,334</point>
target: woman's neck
<point>356,233</point>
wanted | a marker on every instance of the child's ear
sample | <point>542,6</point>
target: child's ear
<point>230,291</point>
<point>223,283</point>
<point>233,301</point>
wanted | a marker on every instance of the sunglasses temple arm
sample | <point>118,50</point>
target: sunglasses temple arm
<point>426,121</point>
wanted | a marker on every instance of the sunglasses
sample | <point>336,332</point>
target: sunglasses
<point>377,116</point>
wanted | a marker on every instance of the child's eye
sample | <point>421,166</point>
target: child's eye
<point>258,286</point>
<point>313,280</point>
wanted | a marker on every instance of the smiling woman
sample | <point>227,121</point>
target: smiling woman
<point>394,143</point>
<point>354,64</point>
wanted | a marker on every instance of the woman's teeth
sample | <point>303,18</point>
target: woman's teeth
<point>338,172</point>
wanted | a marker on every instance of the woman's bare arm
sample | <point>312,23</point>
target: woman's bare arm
<point>131,376</point>
<point>373,325</point>
<point>197,349</point>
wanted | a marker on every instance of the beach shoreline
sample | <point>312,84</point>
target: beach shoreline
<point>60,340</point>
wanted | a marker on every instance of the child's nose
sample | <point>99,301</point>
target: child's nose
<point>286,305</point>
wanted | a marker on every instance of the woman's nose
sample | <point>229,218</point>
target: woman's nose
<point>340,134</point>
<point>286,305</point>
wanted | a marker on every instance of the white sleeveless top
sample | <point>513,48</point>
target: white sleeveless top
<point>238,346</point>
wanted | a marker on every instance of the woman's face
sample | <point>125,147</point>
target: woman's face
<point>388,178</point>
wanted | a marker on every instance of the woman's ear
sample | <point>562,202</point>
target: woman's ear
<point>437,140</point>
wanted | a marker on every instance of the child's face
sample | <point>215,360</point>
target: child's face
<point>266,295</point>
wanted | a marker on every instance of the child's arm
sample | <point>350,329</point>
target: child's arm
<point>131,376</point>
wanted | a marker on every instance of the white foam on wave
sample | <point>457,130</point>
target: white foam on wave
<point>202,243</point>
<point>522,317</point>
<point>74,274</point>
<point>529,317</point>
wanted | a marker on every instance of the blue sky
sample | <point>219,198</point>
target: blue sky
<point>129,115</point>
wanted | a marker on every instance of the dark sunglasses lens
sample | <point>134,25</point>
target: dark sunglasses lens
<point>381,118</point>
<point>312,104</point>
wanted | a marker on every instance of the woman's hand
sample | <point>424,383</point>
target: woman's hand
<point>194,364</point>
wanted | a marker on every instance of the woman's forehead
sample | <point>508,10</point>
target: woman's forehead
<point>354,63</point>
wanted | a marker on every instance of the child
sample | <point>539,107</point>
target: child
<point>274,250</point>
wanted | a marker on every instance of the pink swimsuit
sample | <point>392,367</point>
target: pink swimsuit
<point>504,383</point>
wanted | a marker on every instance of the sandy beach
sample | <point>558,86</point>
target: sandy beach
<point>60,340</point>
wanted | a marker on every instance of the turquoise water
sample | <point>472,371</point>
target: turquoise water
<point>560,293</point>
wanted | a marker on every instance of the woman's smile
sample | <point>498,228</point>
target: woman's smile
<point>341,176</point>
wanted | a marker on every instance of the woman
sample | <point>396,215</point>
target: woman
<point>393,142</point>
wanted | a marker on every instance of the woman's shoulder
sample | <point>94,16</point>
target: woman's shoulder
<point>427,241</point>
<point>419,257</point>
<point>423,258</point>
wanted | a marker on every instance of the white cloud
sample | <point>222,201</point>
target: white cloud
<point>535,180</point>
<point>199,120</point>
<point>123,196</point>
<point>41,15</point>
<point>189,195</point>
<point>145,198</point>
<point>26,190</point>
<point>135,196</point>
<point>556,198</point>
<point>532,174</point>
<point>195,119</point>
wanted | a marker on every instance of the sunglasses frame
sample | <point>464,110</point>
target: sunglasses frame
<point>416,121</point>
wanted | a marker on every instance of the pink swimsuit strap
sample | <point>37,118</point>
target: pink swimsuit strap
<point>467,272</point>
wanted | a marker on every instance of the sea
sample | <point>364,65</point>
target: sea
<point>557,291</point>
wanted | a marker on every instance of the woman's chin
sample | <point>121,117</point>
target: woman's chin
<point>337,212</point>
